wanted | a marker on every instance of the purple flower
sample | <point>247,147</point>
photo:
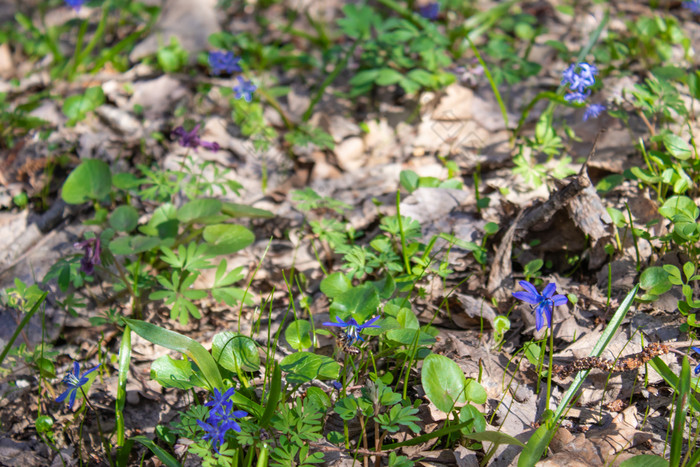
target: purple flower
<point>338,385</point>
<point>190,139</point>
<point>697,368</point>
<point>579,77</point>
<point>353,328</point>
<point>75,4</point>
<point>430,11</point>
<point>245,89</point>
<point>91,258</point>
<point>694,7</point>
<point>593,110</point>
<point>74,381</point>
<point>543,303</point>
<point>224,62</point>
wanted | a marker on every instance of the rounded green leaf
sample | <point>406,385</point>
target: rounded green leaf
<point>171,373</point>
<point>335,284</point>
<point>318,397</point>
<point>298,334</point>
<point>91,180</point>
<point>475,392</point>
<point>132,245</point>
<point>443,382</point>
<point>655,280</point>
<point>677,146</point>
<point>235,352</point>
<point>124,218</point>
<point>224,239</point>
<point>359,302</point>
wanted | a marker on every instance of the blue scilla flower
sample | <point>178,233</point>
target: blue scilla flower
<point>221,403</point>
<point>430,11</point>
<point>579,76</point>
<point>542,303</point>
<point>352,328</point>
<point>694,7</point>
<point>244,89</point>
<point>74,382</point>
<point>75,4</point>
<point>697,368</point>
<point>221,418</point>
<point>224,62</point>
<point>577,97</point>
<point>593,110</point>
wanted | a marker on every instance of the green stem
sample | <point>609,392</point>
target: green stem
<point>329,79</point>
<point>549,370</point>
<point>492,82</point>
<point>404,252</point>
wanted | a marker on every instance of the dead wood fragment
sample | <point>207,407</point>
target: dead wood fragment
<point>630,363</point>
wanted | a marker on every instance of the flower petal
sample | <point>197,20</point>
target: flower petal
<point>63,396</point>
<point>529,287</point>
<point>549,290</point>
<point>559,299</point>
<point>538,319</point>
<point>697,349</point>
<point>528,297</point>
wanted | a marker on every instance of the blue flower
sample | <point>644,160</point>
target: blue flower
<point>221,419</point>
<point>216,430</point>
<point>430,11</point>
<point>593,110</point>
<point>221,404</point>
<point>224,62</point>
<point>245,89</point>
<point>353,328</point>
<point>579,77</point>
<point>543,303</point>
<point>74,382</point>
<point>697,368</point>
<point>693,6</point>
<point>91,258</point>
<point>75,4</point>
<point>190,139</point>
<point>577,97</point>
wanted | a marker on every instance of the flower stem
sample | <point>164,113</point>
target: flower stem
<point>549,369</point>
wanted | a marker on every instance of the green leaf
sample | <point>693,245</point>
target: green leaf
<point>235,352</point>
<point>191,348</point>
<point>124,218</point>
<point>302,367</point>
<point>198,209</point>
<point>677,146</point>
<point>645,460</point>
<point>132,245</point>
<point>408,337</point>
<point>243,210</point>
<point>224,239</point>
<point>298,334</point>
<point>475,392</point>
<point>77,107</point>
<point>335,284</point>
<point>359,302</point>
<point>682,392</point>
<point>91,180</point>
<point>409,180</point>
<point>654,280</point>
<point>535,446</point>
<point>171,373</point>
<point>443,382</point>
<point>387,76</point>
